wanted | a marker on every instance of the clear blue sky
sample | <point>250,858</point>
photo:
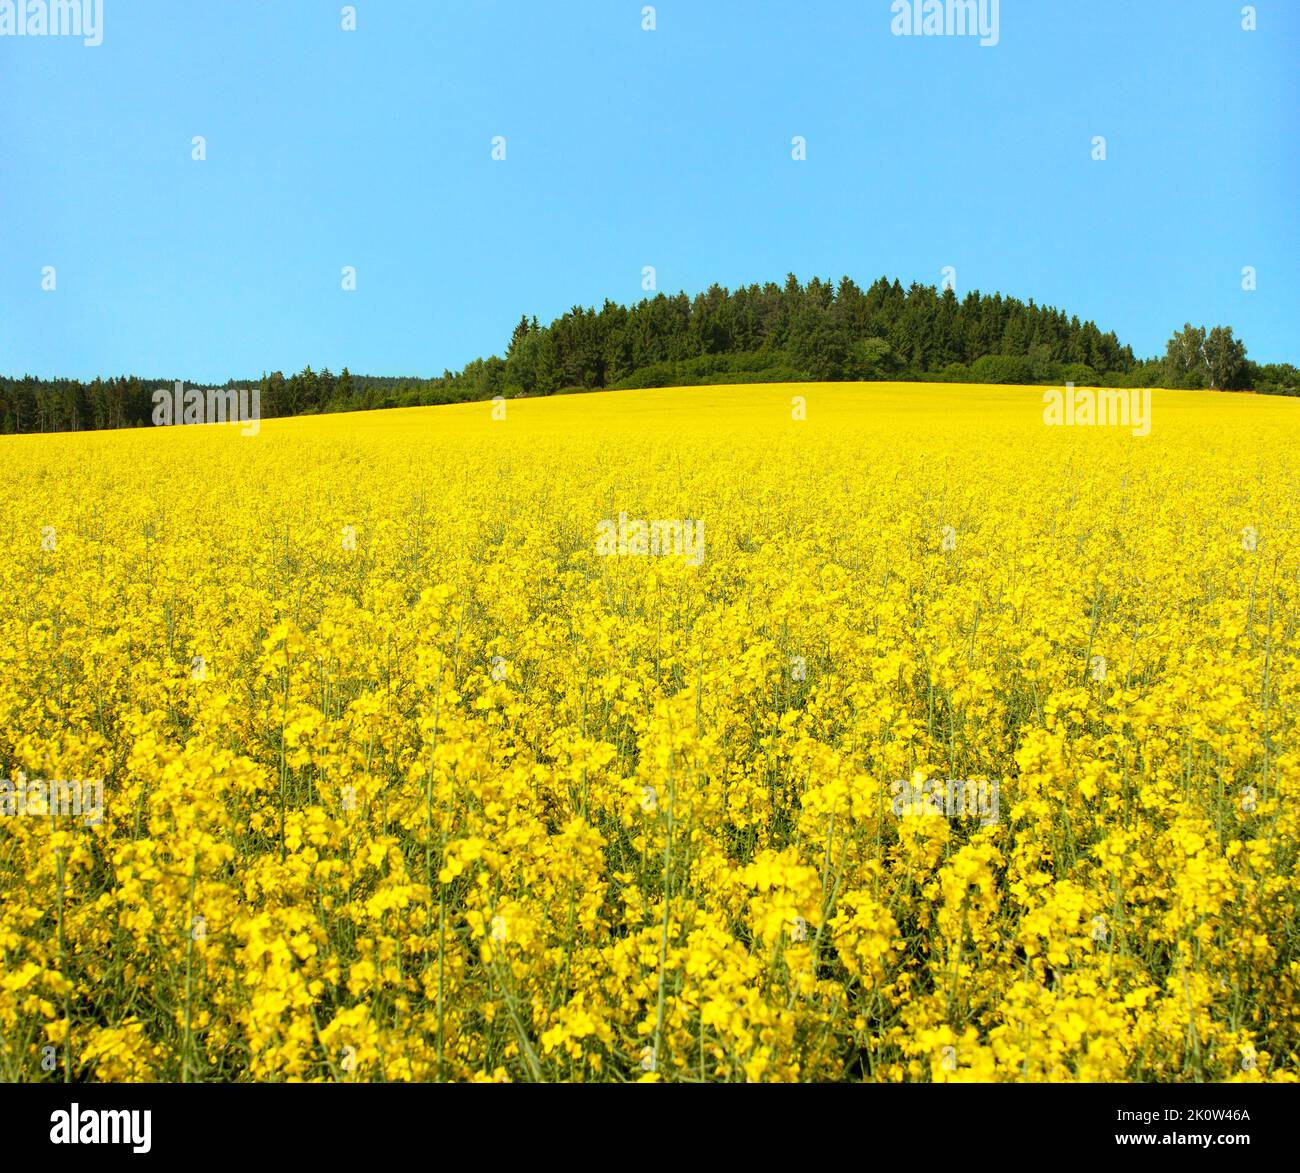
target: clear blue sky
<point>625,148</point>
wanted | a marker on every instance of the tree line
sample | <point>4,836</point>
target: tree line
<point>819,331</point>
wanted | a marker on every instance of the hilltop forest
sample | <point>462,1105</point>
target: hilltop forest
<point>794,332</point>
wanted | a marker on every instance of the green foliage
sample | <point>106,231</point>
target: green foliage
<point>1001,368</point>
<point>1195,357</point>
<point>754,334</point>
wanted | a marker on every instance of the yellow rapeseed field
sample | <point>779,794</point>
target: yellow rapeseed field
<point>413,768</point>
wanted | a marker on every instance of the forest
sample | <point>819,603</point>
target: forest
<point>795,332</point>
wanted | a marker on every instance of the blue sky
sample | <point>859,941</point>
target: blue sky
<point>625,148</point>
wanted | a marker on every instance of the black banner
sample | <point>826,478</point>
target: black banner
<point>338,1122</point>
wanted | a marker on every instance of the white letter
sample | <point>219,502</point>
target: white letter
<point>141,1129</point>
<point>94,29</point>
<point>1142,414</point>
<point>61,1132</point>
<point>990,25</point>
<point>694,543</point>
<point>252,419</point>
<point>162,407</point>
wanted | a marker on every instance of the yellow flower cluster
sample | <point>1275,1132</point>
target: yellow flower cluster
<point>405,778</point>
